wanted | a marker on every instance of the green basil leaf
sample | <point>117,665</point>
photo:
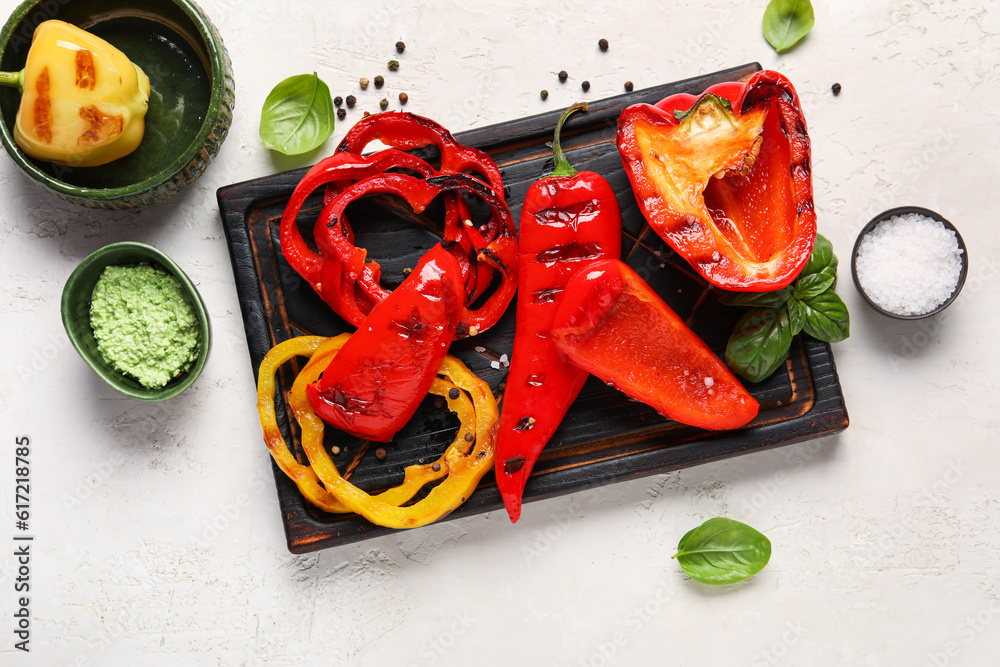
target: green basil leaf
<point>774,299</point>
<point>786,22</point>
<point>759,344</point>
<point>821,259</point>
<point>813,285</point>
<point>827,318</point>
<point>796,315</point>
<point>298,115</point>
<point>723,551</point>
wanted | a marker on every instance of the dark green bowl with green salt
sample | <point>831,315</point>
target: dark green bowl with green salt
<point>190,106</point>
<point>77,318</point>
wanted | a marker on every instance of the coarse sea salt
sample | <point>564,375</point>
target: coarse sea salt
<point>909,264</point>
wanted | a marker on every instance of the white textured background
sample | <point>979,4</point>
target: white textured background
<point>158,536</point>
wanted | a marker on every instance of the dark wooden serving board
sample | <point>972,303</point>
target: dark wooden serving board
<point>605,437</point>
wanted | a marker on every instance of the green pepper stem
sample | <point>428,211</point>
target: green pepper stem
<point>13,79</point>
<point>562,165</point>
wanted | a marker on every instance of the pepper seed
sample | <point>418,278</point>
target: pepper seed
<point>338,100</point>
<point>544,94</point>
<point>363,82</point>
<point>379,81</point>
<point>341,113</point>
<point>585,85</point>
<point>393,65</point>
<point>628,86</point>
<point>453,393</point>
<point>563,76</point>
<point>403,97</point>
<point>602,44</point>
<point>836,88</point>
<point>400,47</point>
<point>380,453</point>
<point>384,104</point>
<point>351,100</point>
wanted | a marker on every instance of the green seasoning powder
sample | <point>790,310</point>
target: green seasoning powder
<point>143,323</point>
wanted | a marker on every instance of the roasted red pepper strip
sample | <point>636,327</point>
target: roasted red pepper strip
<point>726,180</point>
<point>377,380</point>
<point>341,276</point>
<point>569,219</point>
<point>612,324</point>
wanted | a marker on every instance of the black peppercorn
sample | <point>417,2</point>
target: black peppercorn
<point>602,44</point>
<point>341,113</point>
<point>379,81</point>
<point>351,100</point>
<point>563,76</point>
<point>628,86</point>
<point>836,88</point>
<point>338,100</point>
<point>585,85</point>
<point>400,47</point>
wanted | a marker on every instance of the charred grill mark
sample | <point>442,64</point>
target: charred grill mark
<point>570,252</point>
<point>43,107</point>
<point>100,126</point>
<point>546,295</point>
<point>86,73</point>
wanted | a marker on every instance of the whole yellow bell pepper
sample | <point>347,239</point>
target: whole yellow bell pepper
<point>83,102</point>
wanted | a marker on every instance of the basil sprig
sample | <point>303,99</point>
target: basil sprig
<point>786,22</point>
<point>723,551</point>
<point>762,337</point>
<point>298,115</point>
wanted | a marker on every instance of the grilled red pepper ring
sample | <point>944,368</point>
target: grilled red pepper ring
<point>341,168</point>
<point>344,168</point>
<point>568,220</point>
<point>341,277</point>
<point>407,131</point>
<point>726,180</point>
<point>612,324</point>
<point>375,383</point>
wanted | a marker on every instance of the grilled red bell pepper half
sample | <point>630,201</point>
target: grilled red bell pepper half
<point>375,383</point>
<point>612,324</point>
<point>725,179</point>
<point>568,220</point>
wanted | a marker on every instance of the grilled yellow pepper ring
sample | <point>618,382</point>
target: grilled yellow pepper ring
<point>83,102</point>
<point>462,465</point>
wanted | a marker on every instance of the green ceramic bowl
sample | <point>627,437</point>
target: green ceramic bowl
<point>190,106</point>
<point>76,317</point>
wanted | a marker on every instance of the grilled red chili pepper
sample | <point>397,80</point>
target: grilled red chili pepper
<point>726,180</point>
<point>569,219</point>
<point>352,291</point>
<point>375,383</point>
<point>611,323</point>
